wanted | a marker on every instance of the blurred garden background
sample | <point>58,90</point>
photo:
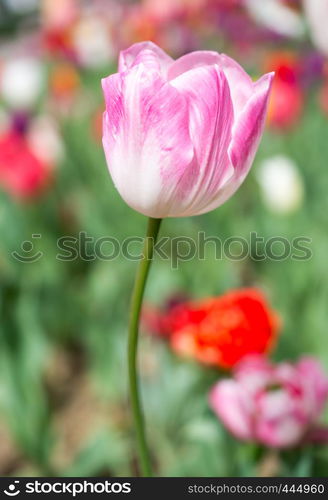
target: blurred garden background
<point>63,323</point>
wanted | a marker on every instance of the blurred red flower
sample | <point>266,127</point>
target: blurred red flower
<point>57,20</point>
<point>218,331</point>
<point>162,322</point>
<point>287,97</point>
<point>22,174</point>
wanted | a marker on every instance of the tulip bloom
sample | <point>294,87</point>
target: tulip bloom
<point>180,136</point>
<point>179,139</point>
<point>276,405</point>
<point>218,331</point>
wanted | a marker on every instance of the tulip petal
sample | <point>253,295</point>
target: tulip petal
<point>246,134</point>
<point>280,421</point>
<point>240,83</point>
<point>211,121</point>
<point>138,52</point>
<point>146,138</point>
<point>318,435</point>
<point>199,58</point>
<point>284,432</point>
<point>248,127</point>
<point>315,384</point>
<point>230,403</point>
<point>254,373</point>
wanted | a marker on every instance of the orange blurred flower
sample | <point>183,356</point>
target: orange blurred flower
<point>96,125</point>
<point>64,80</point>
<point>220,331</point>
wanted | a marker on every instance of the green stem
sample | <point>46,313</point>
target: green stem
<point>135,309</point>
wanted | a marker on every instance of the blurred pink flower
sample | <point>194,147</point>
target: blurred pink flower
<point>180,136</point>
<point>58,15</point>
<point>276,405</point>
<point>169,9</point>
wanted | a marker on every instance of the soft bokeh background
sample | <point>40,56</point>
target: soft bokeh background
<point>63,388</point>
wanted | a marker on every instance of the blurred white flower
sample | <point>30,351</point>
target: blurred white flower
<point>276,16</point>
<point>281,184</point>
<point>316,12</point>
<point>45,141</point>
<point>92,41</point>
<point>21,82</point>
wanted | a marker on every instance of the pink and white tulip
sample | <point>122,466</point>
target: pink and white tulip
<point>277,406</point>
<point>180,136</point>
